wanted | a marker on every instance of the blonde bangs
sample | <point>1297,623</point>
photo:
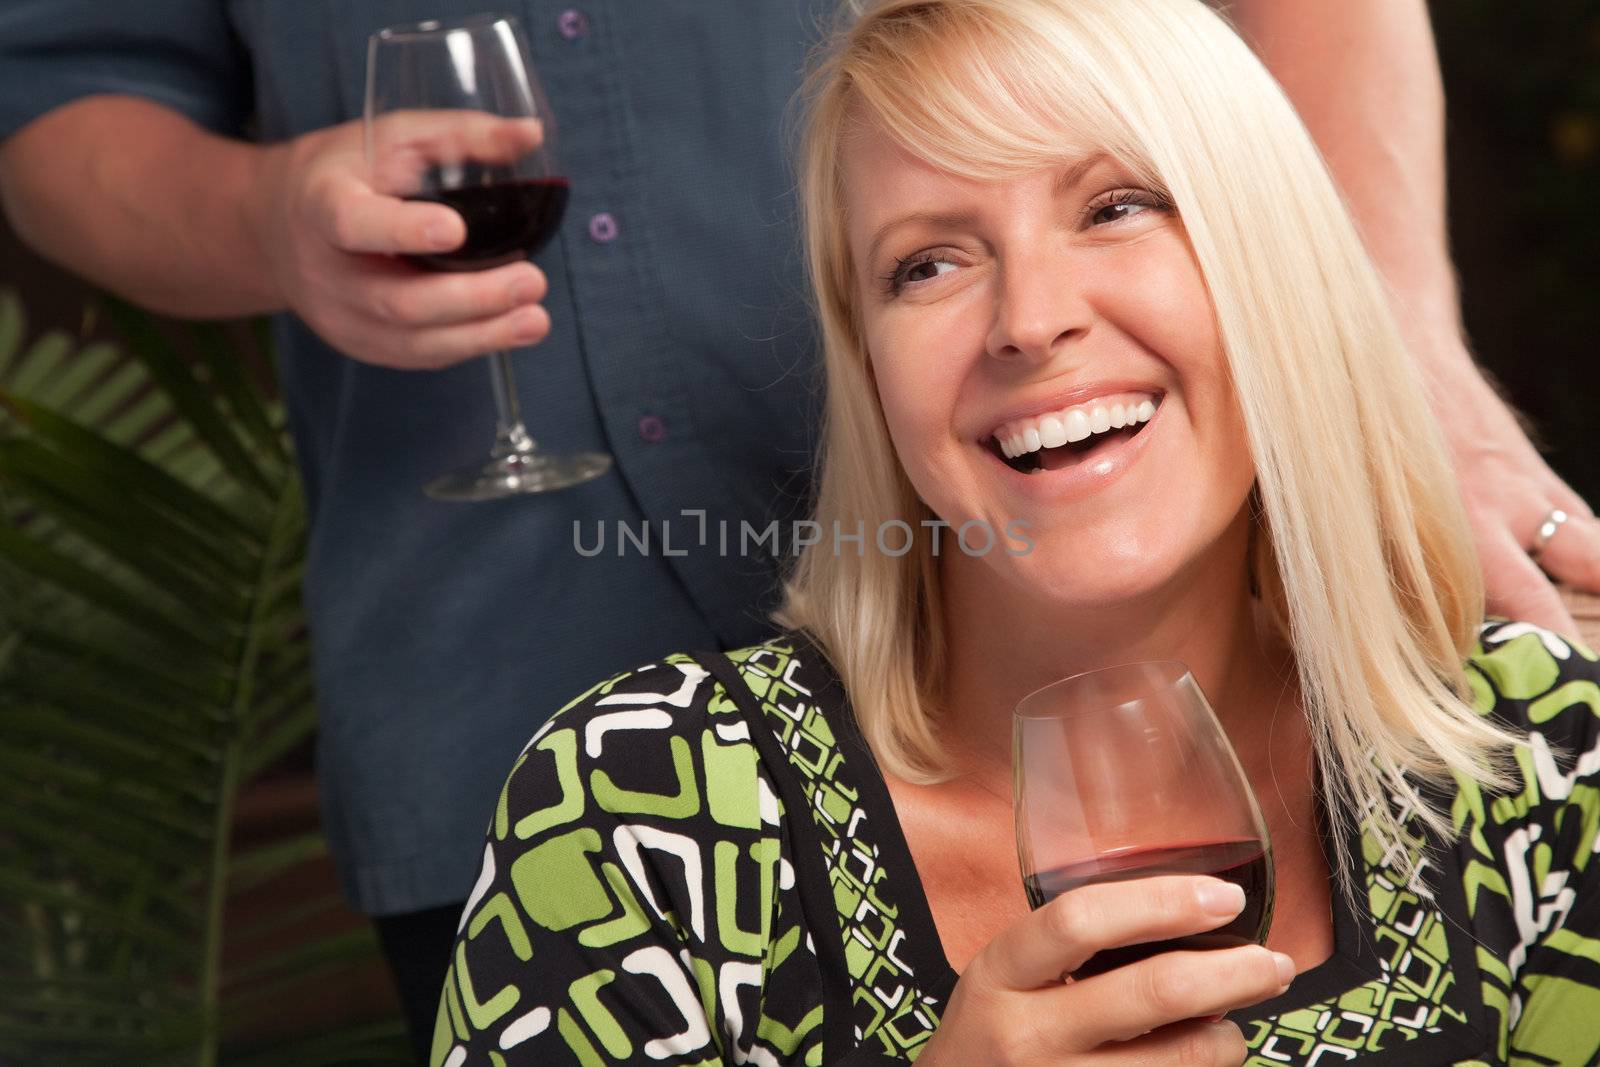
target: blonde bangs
<point>959,86</point>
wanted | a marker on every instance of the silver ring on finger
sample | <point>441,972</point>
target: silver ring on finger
<point>1554,519</point>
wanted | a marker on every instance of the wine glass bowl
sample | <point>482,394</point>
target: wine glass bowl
<point>503,222</point>
<point>1125,773</point>
<point>455,115</point>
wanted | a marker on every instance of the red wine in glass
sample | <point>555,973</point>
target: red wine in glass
<point>506,221</point>
<point>1244,862</point>
<point>455,115</point>
<point>1125,773</point>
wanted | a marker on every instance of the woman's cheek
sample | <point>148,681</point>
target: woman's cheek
<point>897,375</point>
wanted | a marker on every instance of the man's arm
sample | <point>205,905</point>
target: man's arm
<point>1364,75</point>
<point>139,199</point>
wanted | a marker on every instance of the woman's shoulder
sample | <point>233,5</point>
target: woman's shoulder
<point>637,846</point>
<point>1537,681</point>
<point>680,690</point>
<point>1543,687</point>
<point>666,738</point>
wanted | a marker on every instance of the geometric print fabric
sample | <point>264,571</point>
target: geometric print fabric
<point>1491,930</point>
<point>643,898</point>
<point>635,902</point>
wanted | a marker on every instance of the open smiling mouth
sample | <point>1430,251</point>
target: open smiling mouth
<point>1067,439</point>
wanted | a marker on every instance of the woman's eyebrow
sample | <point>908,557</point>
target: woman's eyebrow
<point>931,218</point>
<point>1075,172</point>
<point>1069,179</point>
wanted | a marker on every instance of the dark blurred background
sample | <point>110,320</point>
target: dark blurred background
<point>1523,83</point>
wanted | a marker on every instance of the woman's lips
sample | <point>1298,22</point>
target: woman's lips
<point>1063,476</point>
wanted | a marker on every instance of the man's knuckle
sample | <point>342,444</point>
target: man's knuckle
<point>487,298</point>
<point>407,306</point>
<point>343,224</point>
<point>386,303</point>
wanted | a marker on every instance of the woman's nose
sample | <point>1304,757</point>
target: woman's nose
<point>1040,311</point>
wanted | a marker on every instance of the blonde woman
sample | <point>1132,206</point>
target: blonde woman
<point>1109,378</point>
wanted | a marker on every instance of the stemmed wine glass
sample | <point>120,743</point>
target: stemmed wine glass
<point>1124,773</point>
<point>455,115</point>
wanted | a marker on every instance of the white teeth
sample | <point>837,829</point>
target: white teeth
<point>1072,425</point>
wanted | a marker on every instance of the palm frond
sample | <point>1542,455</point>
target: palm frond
<point>153,662</point>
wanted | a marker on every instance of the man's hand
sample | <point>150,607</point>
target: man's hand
<point>195,225</point>
<point>331,240</point>
<point>1364,76</point>
<point>1509,491</point>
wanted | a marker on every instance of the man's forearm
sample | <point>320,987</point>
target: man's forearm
<point>1364,76</point>
<point>137,198</point>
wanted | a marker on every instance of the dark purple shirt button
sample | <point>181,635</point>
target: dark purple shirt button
<point>572,23</point>
<point>652,429</point>
<point>603,227</point>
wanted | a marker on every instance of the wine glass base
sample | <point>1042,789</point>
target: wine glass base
<point>517,473</point>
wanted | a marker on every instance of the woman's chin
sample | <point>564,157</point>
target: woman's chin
<point>1068,586</point>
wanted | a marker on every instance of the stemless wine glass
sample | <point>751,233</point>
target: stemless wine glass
<point>1125,773</point>
<point>455,115</point>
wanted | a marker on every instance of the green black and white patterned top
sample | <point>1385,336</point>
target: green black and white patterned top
<point>697,862</point>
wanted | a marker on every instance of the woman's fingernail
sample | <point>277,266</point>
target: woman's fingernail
<point>1285,967</point>
<point>1222,898</point>
<point>525,291</point>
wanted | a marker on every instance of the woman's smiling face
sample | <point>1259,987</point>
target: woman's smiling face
<point>1012,326</point>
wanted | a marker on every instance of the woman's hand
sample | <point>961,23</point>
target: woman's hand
<point>331,239</point>
<point>1012,1008</point>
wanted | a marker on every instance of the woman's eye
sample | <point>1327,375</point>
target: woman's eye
<point>919,268</point>
<point>928,268</point>
<point>1113,212</point>
<point>1124,204</point>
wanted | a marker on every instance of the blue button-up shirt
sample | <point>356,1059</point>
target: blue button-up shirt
<point>443,634</point>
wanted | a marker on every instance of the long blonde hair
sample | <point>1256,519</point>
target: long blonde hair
<point>1363,555</point>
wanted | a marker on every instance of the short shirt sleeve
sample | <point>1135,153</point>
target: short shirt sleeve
<point>181,53</point>
<point>1542,841</point>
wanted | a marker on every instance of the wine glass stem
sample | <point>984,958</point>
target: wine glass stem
<point>510,435</point>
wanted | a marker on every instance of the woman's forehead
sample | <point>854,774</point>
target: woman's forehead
<point>871,157</point>
<point>885,182</point>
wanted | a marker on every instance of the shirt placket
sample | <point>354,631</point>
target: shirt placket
<point>636,367</point>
